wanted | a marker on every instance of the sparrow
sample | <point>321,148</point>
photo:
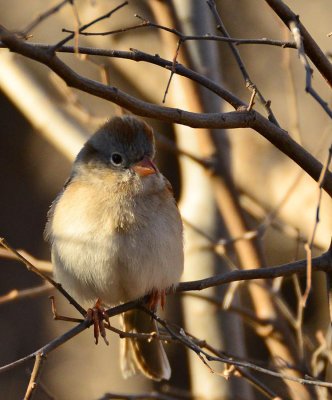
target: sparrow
<point>116,234</point>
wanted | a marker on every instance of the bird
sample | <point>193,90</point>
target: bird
<point>116,235</point>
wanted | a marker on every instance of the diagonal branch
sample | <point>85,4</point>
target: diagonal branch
<point>310,46</point>
<point>294,27</point>
<point>243,119</point>
<point>42,17</point>
<point>36,271</point>
<point>249,83</point>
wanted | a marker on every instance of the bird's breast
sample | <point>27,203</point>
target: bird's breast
<point>117,249</point>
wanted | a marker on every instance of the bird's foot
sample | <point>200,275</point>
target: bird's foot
<point>155,297</point>
<point>97,315</point>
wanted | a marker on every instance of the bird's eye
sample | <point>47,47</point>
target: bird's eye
<point>116,159</point>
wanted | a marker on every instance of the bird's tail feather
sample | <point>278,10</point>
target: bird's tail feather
<point>148,357</point>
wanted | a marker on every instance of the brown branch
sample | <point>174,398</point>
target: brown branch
<point>137,55</point>
<point>197,346</point>
<point>60,340</point>
<point>185,38</point>
<point>308,246</point>
<point>321,263</point>
<point>15,295</point>
<point>231,120</point>
<point>249,83</point>
<point>172,70</point>
<point>86,26</point>
<point>34,376</point>
<point>48,348</point>
<point>36,271</point>
<point>257,384</point>
<point>261,326</point>
<point>310,46</point>
<point>294,27</point>
<point>142,396</point>
<point>42,17</point>
<point>43,266</point>
<point>181,337</point>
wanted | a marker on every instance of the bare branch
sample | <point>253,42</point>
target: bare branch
<point>310,46</point>
<point>231,120</point>
<point>43,266</point>
<point>294,27</point>
<point>86,26</point>
<point>197,346</point>
<point>36,271</point>
<point>143,396</point>
<point>321,263</point>
<point>15,295</point>
<point>42,17</point>
<point>34,376</point>
<point>249,83</point>
<point>308,246</point>
<point>184,38</point>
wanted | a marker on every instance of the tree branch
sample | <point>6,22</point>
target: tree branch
<point>294,27</point>
<point>249,83</point>
<point>231,120</point>
<point>185,38</point>
<point>321,263</point>
<point>310,46</point>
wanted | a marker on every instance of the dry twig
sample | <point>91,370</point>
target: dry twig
<point>294,27</point>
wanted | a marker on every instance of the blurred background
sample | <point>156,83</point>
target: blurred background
<point>43,124</point>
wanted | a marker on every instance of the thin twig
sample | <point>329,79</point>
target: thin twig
<point>294,27</point>
<point>293,109</point>
<point>299,317</point>
<point>15,295</point>
<point>60,340</point>
<point>49,347</point>
<point>311,48</point>
<point>34,376</point>
<point>252,99</point>
<point>197,347</point>
<point>86,26</point>
<point>257,384</point>
<point>184,38</point>
<point>59,317</point>
<point>308,246</point>
<point>182,338</point>
<point>77,26</point>
<point>43,266</point>
<point>36,271</point>
<point>42,17</point>
<point>142,396</point>
<point>173,70</point>
<point>249,83</point>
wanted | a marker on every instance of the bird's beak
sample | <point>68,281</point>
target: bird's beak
<point>145,167</point>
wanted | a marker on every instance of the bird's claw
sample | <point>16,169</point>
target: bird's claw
<point>97,315</point>
<point>155,297</point>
